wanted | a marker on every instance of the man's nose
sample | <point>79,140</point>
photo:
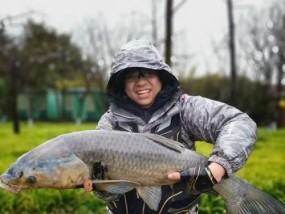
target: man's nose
<point>141,80</point>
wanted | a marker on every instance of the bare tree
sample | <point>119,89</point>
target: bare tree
<point>263,46</point>
<point>232,52</point>
<point>170,10</point>
<point>154,20</point>
<point>100,41</point>
<point>168,31</point>
<point>9,60</point>
<point>262,40</point>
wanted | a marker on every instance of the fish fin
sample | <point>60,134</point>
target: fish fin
<point>166,142</point>
<point>114,186</point>
<point>106,196</point>
<point>249,199</point>
<point>151,195</point>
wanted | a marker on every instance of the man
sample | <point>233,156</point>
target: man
<point>145,97</point>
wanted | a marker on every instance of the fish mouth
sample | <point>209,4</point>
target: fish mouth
<point>10,188</point>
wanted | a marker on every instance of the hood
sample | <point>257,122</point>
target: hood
<point>139,54</point>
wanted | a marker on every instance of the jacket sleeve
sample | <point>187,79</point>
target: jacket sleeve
<point>105,122</point>
<point>232,132</point>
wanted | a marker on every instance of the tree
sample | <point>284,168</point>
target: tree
<point>232,52</point>
<point>99,42</point>
<point>216,86</point>
<point>5,51</point>
<point>168,31</point>
<point>170,10</point>
<point>3,67</point>
<point>278,31</point>
<point>264,50</point>
<point>46,60</point>
<point>8,99</point>
<point>47,57</point>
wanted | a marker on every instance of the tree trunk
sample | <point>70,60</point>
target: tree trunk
<point>13,96</point>
<point>232,53</point>
<point>168,30</point>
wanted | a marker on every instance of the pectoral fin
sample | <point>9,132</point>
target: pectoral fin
<point>151,195</point>
<point>114,186</point>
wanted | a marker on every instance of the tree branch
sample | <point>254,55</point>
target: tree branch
<point>178,6</point>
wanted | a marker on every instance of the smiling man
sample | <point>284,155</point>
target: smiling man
<point>145,97</point>
<point>142,86</point>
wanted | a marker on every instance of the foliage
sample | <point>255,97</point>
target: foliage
<point>262,41</point>
<point>251,98</point>
<point>44,60</point>
<point>2,92</point>
<point>207,86</point>
<point>6,48</point>
<point>264,169</point>
<point>46,57</point>
<point>263,54</point>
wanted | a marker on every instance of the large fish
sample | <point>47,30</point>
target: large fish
<point>117,162</point>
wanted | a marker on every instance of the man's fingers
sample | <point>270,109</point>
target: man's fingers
<point>174,176</point>
<point>88,186</point>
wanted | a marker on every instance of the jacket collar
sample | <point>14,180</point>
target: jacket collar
<point>124,114</point>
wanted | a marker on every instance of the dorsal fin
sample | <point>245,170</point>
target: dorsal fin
<point>166,142</point>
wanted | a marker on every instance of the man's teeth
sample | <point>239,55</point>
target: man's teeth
<point>143,92</point>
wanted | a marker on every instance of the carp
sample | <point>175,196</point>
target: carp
<point>115,162</point>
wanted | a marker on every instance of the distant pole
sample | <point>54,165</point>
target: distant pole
<point>154,21</point>
<point>232,53</point>
<point>14,93</point>
<point>168,32</point>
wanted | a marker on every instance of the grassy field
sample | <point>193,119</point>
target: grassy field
<point>265,169</point>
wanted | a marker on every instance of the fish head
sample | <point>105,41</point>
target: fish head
<point>56,173</point>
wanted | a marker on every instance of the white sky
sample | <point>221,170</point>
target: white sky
<point>201,21</point>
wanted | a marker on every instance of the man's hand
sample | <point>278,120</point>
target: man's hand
<point>198,179</point>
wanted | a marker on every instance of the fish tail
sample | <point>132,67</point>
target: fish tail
<point>243,198</point>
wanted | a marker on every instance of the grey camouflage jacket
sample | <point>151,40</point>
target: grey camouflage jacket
<point>232,132</point>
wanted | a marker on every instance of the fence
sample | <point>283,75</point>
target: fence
<point>67,105</point>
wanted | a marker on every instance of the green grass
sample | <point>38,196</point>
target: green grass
<point>265,169</point>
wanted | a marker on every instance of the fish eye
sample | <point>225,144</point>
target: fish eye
<point>31,179</point>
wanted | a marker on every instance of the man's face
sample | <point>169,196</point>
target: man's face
<point>142,86</point>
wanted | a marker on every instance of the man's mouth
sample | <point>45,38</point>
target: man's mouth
<point>142,92</point>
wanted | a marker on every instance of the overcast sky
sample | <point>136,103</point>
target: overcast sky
<point>201,21</point>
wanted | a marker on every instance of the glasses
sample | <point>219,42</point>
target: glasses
<point>135,74</point>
